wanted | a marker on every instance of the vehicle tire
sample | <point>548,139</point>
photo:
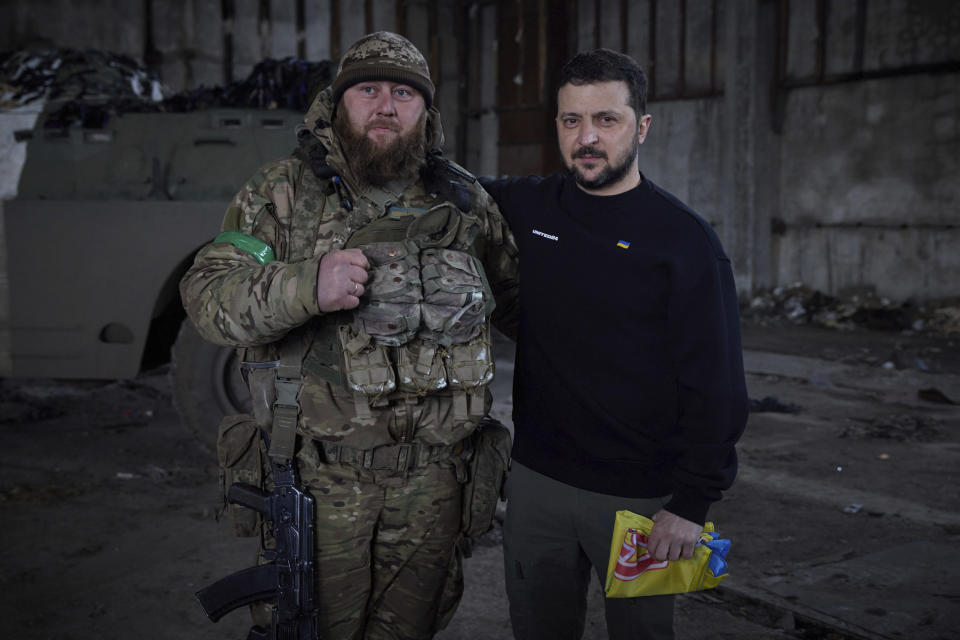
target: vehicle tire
<point>206,384</point>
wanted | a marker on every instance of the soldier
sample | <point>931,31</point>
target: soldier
<point>362,268</point>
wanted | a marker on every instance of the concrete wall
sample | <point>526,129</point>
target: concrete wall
<point>870,191</point>
<point>870,151</point>
<point>114,25</point>
<point>829,153</point>
<point>481,121</point>
<point>682,153</point>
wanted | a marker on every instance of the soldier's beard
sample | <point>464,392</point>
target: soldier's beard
<point>377,165</point>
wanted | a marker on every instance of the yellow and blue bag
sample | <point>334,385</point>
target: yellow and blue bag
<point>633,572</point>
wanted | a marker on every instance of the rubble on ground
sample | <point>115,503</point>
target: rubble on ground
<point>89,87</point>
<point>900,427</point>
<point>854,308</point>
<point>772,404</point>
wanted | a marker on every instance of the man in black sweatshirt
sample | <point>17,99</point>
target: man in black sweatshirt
<point>629,386</point>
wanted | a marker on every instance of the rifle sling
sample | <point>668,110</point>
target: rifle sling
<point>286,408</point>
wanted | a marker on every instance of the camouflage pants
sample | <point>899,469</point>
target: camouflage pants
<point>387,564</point>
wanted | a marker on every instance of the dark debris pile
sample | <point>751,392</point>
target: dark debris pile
<point>855,308</point>
<point>772,404</point>
<point>901,427</point>
<point>289,83</point>
<point>89,87</point>
<point>70,74</point>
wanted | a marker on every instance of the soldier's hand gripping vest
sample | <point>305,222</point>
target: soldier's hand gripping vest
<point>422,325</point>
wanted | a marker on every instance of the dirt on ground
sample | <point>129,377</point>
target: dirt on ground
<point>844,518</point>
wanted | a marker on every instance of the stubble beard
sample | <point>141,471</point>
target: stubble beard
<point>611,174</point>
<point>377,165</point>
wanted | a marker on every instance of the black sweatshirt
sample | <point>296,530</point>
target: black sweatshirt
<point>629,376</point>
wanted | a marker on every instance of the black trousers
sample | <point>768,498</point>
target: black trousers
<point>553,535</point>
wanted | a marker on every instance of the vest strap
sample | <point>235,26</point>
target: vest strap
<point>460,413</point>
<point>361,403</point>
<point>394,457</point>
<point>476,404</point>
<point>286,408</point>
<point>424,364</point>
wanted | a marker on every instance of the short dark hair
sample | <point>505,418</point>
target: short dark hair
<point>604,65</point>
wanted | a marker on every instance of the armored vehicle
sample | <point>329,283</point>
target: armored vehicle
<point>106,220</point>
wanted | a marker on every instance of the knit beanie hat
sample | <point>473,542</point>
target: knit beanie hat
<point>383,56</point>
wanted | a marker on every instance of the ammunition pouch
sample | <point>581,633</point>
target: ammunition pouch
<point>437,294</point>
<point>261,381</point>
<point>367,370</point>
<point>420,368</point>
<point>469,369</point>
<point>242,457</point>
<point>454,301</point>
<point>488,468</point>
<point>424,326</point>
<point>393,312</point>
<point>367,366</point>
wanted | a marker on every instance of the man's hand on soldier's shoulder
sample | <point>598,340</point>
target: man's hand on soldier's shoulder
<point>672,537</point>
<point>340,279</point>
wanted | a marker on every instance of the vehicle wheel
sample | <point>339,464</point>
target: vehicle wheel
<point>206,383</point>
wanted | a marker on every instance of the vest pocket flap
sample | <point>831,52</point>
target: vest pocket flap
<point>470,365</point>
<point>454,324</point>
<point>380,253</point>
<point>395,282</point>
<point>450,278</point>
<point>451,259</point>
<point>385,320</point>
<point>437,227</point>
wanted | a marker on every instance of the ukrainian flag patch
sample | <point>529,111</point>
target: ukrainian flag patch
<point>623,244</point>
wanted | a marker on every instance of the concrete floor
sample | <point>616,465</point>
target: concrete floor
<point>843,518</point>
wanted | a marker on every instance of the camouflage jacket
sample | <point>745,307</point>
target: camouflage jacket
<point>236,298</point>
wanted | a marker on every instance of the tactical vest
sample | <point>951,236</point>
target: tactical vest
<point>424,327</point>
<point>421,327</point>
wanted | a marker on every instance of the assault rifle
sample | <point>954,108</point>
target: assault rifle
<point>288,577</point>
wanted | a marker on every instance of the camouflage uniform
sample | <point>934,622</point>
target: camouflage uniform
<point>383,462</point>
